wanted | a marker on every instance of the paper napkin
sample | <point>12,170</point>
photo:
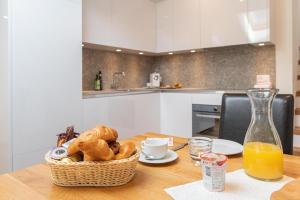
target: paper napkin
<point>238,186</point>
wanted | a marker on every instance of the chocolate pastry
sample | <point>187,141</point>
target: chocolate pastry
<point>115,146</point>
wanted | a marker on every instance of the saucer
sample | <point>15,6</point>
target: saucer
<point>169,157</point>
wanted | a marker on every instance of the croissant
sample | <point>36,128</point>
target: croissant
<point>106,133</point>
<point>126,150</point>
<point>95,150</point>
<point>87,135</point>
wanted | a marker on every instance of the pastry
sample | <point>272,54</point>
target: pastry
<point>106,133</point>
<point>100,132</point>
<point>177,85</point>
<point>87,135</point>
<point>115,146</point>
<point>100,144</point>
<point>94,149</point>
<point>73,147</point>
<point>75,158</point>
<point>127,149</point>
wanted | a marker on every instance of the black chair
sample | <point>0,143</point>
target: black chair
<point>236,117</point>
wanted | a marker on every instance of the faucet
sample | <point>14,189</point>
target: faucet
<point>117,76</point>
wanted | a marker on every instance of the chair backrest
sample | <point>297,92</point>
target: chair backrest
<point>236,117</point>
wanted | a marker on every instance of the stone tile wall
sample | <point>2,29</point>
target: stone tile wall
<point>137,68</point>
<point>233,67</point>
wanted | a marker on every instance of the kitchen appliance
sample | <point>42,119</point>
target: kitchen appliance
<point>155,80</point>
<point>206,120</point>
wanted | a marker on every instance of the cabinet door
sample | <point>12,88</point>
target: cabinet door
<point>259,20</point>
<point>176,114</point>
<point>223,23</point>
<point>186,24</point>
<point>128,114</point>
<point>164,25</point>
<point>133,24</point>
<point>96,21</point>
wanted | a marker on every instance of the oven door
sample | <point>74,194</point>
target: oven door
<point>206,124</point>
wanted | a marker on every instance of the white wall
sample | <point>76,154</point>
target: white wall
<point>46,71</point>
<point>5,136</point>
<point>285,49</point>
<point>297,55</point>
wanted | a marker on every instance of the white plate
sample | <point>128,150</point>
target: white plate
<point>226,147</point>
<point>171,156</point>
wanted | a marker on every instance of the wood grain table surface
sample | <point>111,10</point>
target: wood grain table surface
<point>149,182</point>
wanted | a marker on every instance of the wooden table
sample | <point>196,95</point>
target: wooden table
<point>149,182</point>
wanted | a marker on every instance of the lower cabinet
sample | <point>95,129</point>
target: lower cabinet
<point>176,114</point>
<point>167,113</point>
<point>130,114</point>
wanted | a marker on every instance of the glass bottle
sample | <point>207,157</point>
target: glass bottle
<point>97,83</point>
<point>100,79</point>
<point>262,155</point>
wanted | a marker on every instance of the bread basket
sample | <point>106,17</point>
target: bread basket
<point>89,173</point>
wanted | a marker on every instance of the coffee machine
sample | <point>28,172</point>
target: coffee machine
<point>155,80</point>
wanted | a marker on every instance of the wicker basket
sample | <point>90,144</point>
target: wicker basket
<point>104,173</point>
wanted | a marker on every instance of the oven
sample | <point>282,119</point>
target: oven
<point>206,120</point>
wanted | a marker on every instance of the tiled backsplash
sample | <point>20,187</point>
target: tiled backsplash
<point>137,68</point>
<point>218,68</point>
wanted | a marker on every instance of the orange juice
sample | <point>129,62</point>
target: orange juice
<point>263,160</point>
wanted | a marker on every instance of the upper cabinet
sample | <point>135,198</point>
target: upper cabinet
<point>259,21</point>
<point>97,25</point>
<point>121,23</point>
<point>223,23</point>
<point>133,24</point>
<point>187,24</point>
<point>164,26</point>
<point>176,25</point>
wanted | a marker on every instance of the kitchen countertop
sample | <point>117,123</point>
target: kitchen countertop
<point>135,91</point>
<point>149,181</point>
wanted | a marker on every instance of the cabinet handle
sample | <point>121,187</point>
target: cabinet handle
<point>209,116</point>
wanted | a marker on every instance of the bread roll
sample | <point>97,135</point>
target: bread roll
<point>126,150</point>
<point>87,135</point>
<point>106,133</point>
<point>95,150</point>
<point>73,147</point>
<point>93,144</point>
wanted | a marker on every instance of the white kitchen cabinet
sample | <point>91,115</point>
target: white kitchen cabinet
<point>260,21</point>
<point>164,26</point>
<point>96,15</point>
<point>223,23</point>
<point>176,114</point>
<point>178,25</point>
<point>187,29</point>
<point>130,114</point>
<point>133,24</point>
<point>212,98</point>
<point>127,24</point>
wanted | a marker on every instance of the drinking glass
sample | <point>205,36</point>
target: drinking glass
<point>198,146</point>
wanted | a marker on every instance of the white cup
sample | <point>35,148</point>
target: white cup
<point>156,148</point>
